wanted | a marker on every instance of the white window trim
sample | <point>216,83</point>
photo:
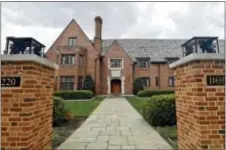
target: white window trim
<point>109,63</point>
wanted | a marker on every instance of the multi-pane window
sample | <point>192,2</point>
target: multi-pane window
<point>115,63</point>
<point>80,82</point>
<point>171,60</point>
<point>72,41</point>
<point>143,63</point>
<point>81,60</point>
<point>171,81</point>
<point>157,81</point>
<point>67,59</point>
<point>146,81</point>
<point>66,83</point>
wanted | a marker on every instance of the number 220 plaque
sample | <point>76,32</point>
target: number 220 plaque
<point>10,81</point>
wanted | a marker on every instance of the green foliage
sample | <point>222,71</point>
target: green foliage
<point>137,85</point>
<point>59,111</point>
<point>88,83</point>
<point>79,94</point>
<point>150,93</point>
<point>160,110</point>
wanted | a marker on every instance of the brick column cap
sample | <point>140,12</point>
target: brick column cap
<point>197,56</point>
<point>27,58</point>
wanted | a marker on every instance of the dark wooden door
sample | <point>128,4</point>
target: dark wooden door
<point>116,87</point>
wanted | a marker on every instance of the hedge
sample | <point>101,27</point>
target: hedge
<point>59,112</point>
<point>79,94</point>
<point>150,93</point>
<point>160,110</point>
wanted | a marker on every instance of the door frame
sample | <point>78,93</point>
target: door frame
<point>120,85</point>
<point>109,84</point>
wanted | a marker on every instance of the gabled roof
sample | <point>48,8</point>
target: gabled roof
<point>71,22</point>
<point>116,42</point>
<point>157,49</point>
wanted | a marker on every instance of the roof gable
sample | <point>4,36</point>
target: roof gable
<point>115,42</point>
<point>72,26</point>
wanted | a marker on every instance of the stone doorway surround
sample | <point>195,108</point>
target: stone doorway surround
<point>109,79</point>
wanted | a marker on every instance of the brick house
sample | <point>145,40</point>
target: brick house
<point>113,63</point>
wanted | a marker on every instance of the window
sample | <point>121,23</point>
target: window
<point>81,60</point>
<point>171,59</point>
<point>80,82</point>
<point>57,59</point>
<point>146,81</point>
<point>67,59</point>
<point>66,83</point>
<point>171,81</point>
<point>143,63</point>
<point>116,63</point>
<point>72,41</point>
<point>157,81</point>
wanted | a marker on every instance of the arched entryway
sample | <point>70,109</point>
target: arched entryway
<point>116,86</point>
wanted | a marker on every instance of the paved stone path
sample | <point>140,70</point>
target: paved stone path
<point>115,124</point>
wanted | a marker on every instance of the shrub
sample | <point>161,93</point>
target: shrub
<point>59,111</point>
<point>88,83</point>
<point>137,85</point>
<point>150,93</point>
<point>79,94</point>
<point>160,110</point>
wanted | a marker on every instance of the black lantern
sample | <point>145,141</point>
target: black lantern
<point>201,45</point>
<point>23,45</point>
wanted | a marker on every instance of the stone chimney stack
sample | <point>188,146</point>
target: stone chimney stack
<point>98,37</point>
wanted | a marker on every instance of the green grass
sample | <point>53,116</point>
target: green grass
<point>166,132</point>
<point>136,103</point>
<point>82,108</point>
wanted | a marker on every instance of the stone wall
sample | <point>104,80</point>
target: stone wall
<point>27,110</point>
<point>200,108</point>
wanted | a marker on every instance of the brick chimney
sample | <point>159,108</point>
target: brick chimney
<point>97,37</point>
<point>97,46</point>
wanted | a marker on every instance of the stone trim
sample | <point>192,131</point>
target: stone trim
<point>29,57</point>
<point>197,56</point>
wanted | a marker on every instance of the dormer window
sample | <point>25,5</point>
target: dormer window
<point>143,62</point>
<point>171,59</point>
<point>72,41</point>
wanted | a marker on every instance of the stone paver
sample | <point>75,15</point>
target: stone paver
<point>115,124</point>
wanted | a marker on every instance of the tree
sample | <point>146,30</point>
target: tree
<point>137,85</point>
<point>88,83</point>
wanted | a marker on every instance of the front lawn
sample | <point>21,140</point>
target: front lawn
<point>136,103</point>
<point>169,133</point>
<point>82,108</point>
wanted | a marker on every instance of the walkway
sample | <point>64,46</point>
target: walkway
<point>115,124</point>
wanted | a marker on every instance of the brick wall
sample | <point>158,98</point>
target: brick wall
<point>116,51</point>
<point>162,71</point>
<point>27,110</point>
<point>74,30</point>
<point>200,108</point>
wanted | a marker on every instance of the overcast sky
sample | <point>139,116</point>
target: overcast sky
<point>46,20</point>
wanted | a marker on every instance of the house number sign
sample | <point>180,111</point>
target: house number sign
<point>10,81</point>
<point>214,80</point>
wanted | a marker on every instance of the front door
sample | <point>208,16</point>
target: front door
<point>116,86</point>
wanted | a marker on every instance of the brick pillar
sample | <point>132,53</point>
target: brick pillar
<point>27,110</point>
<point>199,108</point>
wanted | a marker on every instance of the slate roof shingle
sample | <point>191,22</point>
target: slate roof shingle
<point>157,49</point>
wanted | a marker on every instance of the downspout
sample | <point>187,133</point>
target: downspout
<point>159,76</point>
<point>133,73</point>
